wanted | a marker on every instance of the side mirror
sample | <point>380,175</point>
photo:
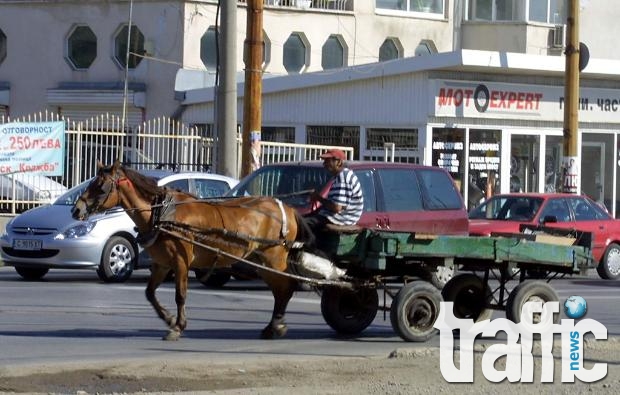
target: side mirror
<point>549,219</point>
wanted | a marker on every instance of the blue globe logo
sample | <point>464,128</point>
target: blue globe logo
<point>575,307</point>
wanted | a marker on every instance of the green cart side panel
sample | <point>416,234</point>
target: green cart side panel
<point>347,246</point>
<point>371,248</point>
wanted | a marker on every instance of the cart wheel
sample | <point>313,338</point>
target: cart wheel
<point>470,297</point>
<point>530,291</point>
<point>414,310</point>
<point>349,312</point>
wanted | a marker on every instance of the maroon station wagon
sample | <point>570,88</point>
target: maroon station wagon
<point>397,196</point>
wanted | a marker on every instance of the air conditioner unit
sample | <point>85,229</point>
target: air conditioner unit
<point>558,36</point>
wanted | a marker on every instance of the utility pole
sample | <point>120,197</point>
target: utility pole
<point>226,98</point>
<point>570,164</point>
<point>252,87</point>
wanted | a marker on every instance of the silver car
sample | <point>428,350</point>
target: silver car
<point>48,237</point>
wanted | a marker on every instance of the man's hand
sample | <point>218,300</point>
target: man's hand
<point>328,204</point>
<point>315,196</point>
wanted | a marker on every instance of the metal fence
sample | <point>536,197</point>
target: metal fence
<point>158,143</point>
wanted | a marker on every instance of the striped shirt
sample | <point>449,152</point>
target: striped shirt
<point>346,191</point>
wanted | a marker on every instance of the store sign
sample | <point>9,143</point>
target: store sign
<point>32,147</point>
<point>519,101</point>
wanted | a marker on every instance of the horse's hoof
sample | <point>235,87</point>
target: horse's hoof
<point>172,335</point>
<point>273,332</point>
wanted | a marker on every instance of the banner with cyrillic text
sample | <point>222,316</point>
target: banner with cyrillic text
<point>32,147</point>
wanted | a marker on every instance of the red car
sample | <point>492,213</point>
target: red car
<point>505,213</point>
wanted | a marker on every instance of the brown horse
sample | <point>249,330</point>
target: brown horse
<point>260,229</point>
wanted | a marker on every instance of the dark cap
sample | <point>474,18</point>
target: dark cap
<point>334,153</point>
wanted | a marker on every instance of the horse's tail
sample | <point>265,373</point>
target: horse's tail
<point>304,232</point>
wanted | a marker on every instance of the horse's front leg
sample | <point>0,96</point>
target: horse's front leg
<point>180,278</point>
<point>282,288</point>
<point>158,275</point>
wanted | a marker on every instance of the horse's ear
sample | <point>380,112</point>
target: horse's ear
<point>117,165</point>
<point>99,165</point>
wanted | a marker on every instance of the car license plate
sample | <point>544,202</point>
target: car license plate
<point>30,245</point>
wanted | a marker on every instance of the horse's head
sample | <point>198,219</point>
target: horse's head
<point>101,194</point>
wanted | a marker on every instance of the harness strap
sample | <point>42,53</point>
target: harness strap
<point>163,208</point>
<point>318,282</point>
<point>284,230</point>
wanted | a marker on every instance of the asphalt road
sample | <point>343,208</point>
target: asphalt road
<point>72,317</point>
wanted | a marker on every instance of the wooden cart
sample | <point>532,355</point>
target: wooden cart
<point>493,273</point>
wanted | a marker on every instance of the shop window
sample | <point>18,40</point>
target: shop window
<point>81,47</point>
<point>380,141</point>
<point>523,163</point>
<point>553,163</point>
<point>448,153</point>
<point>333,53</point>
<point>390,49</point>
<point>278,134</point>
<point>2,46</point>
<point>135,44</point>
<point>296,53</point>
<point>597,168</point>
<point>484,164</point>
<point>346,136</point>
<point>208,48</point>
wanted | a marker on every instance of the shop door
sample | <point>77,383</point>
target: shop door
<point>593,171</point>
<point>523,163</point>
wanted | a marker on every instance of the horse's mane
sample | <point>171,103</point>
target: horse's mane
<point>144,185</point>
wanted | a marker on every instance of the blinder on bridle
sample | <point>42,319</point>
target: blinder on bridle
<point>109,184</point>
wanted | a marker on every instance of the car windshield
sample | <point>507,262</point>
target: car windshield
<point>292,184</point>
<point>509,208</point>
<point>70,197</point>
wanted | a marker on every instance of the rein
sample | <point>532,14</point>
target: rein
<point>178,226</point>
<point>318,282</point>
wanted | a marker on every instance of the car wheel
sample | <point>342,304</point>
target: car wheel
<point>117,260</point>
<point>31,273</point>
<point>443,274</point>
<point>609,268</point>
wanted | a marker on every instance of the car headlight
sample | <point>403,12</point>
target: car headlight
<point>79,230</point>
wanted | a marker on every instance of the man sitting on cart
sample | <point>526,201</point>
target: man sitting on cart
<point>344,202</point>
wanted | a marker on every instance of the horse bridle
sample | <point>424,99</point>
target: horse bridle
<point>109,186</point>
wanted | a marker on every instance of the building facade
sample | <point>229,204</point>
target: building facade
<point>493,119</point>
<point>70,57</point>
<point>475,86</point>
